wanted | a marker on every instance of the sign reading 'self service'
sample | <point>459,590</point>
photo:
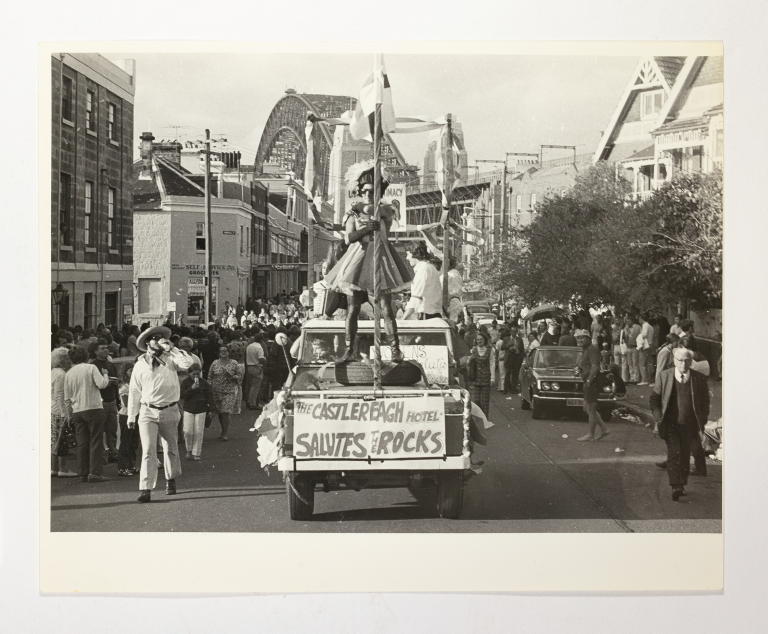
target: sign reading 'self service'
<point>346,428</point>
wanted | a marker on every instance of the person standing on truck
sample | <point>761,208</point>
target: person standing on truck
<point>353,274</point>
<point>426,291</point>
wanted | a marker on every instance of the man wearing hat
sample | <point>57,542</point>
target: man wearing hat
<point>680,405</point>
<point>589,368</point>
<point>153,395</point>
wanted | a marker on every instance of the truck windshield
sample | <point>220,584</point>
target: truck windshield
<point>323,347</point>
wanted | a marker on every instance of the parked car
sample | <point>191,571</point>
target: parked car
<point>549,379</point>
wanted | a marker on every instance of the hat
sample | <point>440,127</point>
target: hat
<point>151,333</point>
<point>360,174</point>
<point>581,333</point>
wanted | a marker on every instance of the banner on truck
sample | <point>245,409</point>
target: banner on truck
<point>434,360</point>
<point>347,428</point>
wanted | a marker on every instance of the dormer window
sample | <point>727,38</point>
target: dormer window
<point>650,103</point>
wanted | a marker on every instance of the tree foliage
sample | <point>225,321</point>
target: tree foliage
<point>592,245</point>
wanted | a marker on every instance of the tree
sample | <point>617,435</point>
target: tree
<point>682,248</point>
<point>550,260</point>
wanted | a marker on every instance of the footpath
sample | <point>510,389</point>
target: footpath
<point>638,400</point>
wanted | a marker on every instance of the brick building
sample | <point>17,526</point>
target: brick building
<point>91,221</point>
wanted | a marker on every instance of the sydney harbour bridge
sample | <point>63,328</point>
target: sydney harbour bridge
<point>283,142</point>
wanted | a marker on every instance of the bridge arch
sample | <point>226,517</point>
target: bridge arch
<point>283,142</point>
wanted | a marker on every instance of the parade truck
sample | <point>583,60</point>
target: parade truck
<point>331,429</point>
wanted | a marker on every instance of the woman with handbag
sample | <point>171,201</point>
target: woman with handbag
<point>59,420</point>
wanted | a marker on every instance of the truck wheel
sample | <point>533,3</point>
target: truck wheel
<point>301,496</point>
<point>450,494</point>
<point>537,410</point>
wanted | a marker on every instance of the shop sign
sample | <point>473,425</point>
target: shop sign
<point>388,428</point>
<point>395,196</point>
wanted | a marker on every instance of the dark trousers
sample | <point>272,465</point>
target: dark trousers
<point>513,372</point>
<point>129,444</point>
<point>681,440</point>
<point>110,426</point>
<point>89,431</point>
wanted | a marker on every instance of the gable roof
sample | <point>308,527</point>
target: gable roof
<point>660,72</point>
<point>670,67</point>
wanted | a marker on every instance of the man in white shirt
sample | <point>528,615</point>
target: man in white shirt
<point>83,403</point>
<point>645,351</point>
<point>426,291</point>
<point>254,371</point>
<point>153,394</point>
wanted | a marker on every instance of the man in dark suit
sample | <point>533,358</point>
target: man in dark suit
<point>680,405</point>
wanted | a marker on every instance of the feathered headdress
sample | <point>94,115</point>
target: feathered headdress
<point>359,174</point>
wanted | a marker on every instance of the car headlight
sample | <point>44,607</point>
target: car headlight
<point>544,385</point>
<point>555,386</point>
<point>607,388</point>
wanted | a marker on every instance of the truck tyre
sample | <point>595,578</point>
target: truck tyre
<point>301,496</point>
<point>537,410</point>
<point>450,494</point>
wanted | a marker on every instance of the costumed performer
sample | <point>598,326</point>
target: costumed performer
<point>353,274</point>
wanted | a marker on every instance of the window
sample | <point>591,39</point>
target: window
<point>90,113</point>
<point>111,198</point>
<point>533,202</point>
<point>650,103</point>
<point>66,99</point>
<point>518,203</point>
<point>110,309</point>
<point>111,128</point>
<point>87,229</point>
<point>242,240</point>
<point>88,311</point>
<point>200,237</point>
<point>65,209</point>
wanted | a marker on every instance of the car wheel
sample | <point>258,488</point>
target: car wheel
<point>450,494</point>
<point>301,496</point>
<point>537,409</point>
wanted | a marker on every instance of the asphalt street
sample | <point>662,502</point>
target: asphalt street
<point>536,478</point>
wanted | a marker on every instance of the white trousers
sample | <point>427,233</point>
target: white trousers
<point>162,423</point>
<point>194,428</point>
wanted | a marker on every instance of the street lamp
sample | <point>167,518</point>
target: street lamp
<point>58,295</point>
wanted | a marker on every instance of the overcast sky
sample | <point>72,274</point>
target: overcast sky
<point>505,103</point>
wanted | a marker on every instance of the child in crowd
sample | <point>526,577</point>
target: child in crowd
<point>196,401</point>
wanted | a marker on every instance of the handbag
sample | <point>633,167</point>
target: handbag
<point>65,441</point>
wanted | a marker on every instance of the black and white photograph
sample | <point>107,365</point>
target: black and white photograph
<point>387,292</point>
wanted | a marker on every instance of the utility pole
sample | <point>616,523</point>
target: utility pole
<point>448,184</point>
<point>208,245</point>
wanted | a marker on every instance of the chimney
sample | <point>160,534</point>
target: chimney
<point>146,150</point>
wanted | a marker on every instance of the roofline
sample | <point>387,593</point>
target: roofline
<point>614,121</point>
<point>686,72</point>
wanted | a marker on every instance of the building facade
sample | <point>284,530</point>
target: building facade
<point>91,220</point>
<point>170,239</point>
<point>669,120</point>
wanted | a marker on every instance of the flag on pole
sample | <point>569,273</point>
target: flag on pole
<point>375,90</point>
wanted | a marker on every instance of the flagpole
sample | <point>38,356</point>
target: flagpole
<point>447,185</point>
<point>376,241</point>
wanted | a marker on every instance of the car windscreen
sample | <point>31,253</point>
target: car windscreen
<point>552,358</point>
